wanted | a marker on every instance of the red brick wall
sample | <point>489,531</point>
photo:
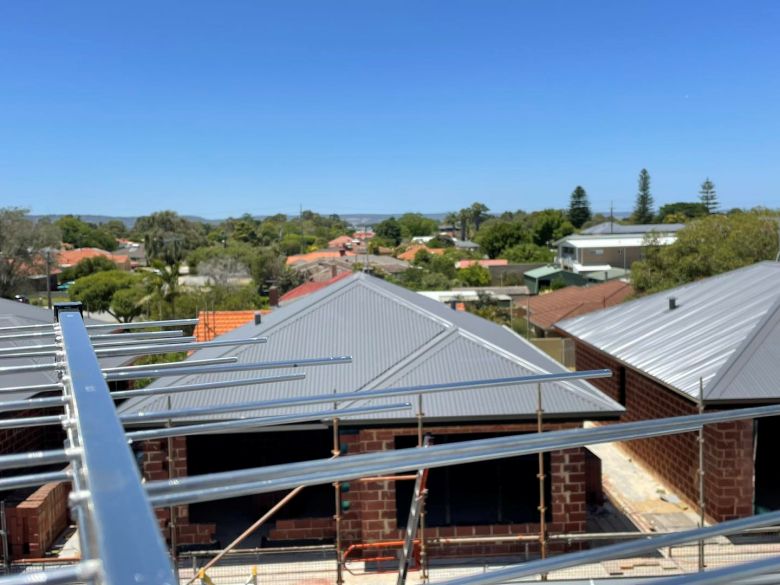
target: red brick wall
<point>155,465</point>
<point>728,447</point>
<point>372,515</point>
<point>35,522</point>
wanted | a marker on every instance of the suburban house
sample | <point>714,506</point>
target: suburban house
<point>35,517</point>
<point>485,263</point>
<point>297,259</point>
<point>716,340</point>
<point>134,251</point>
<point>467,296</point>
<point>602,251</point>
<point>341,242</point>
<point>545,310</point>
<point>409,254</point>
<point>308,288</point>
<point>68,258</point>
<point>549,276</point>
<point>212,324</point>
<point>397,338</point>
<point>610,227</point>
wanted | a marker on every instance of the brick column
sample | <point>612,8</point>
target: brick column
<point>728,466</point>
<point>567,477</point>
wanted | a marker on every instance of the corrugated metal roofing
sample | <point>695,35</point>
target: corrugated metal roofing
<point>619,228</point>
<point>724,330</point>
<point>612,241</point>
<point>543,271</point>
<point>15,314</point>
<point>397,338</point>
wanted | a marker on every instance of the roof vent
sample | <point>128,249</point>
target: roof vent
<point>672,303</point>
<point>258,318</point>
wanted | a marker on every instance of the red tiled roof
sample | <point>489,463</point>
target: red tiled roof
<point>411,252</point>
<point>485,263</point>
<point>339,242</point>
<point>309,287</point>
<point>318,255</point>
<point>547,309</point>
<point>212,324</point>
<point>68,258</point>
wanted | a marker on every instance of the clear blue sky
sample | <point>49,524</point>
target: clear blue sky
<point>224,107</point>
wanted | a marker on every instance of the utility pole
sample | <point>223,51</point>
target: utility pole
<point>611,218</point>
<point>48,276</point>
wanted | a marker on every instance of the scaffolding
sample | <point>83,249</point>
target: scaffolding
<point>120,539</point>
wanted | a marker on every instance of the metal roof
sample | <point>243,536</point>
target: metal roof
<point>620,228</point>
<point>397,338</point>
<point>612,241</point>
<point>543,271</point>
<point>725,330</point>
<point>13,314</point>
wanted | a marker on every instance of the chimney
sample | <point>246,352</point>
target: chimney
<point>273,296</point>
<point>258,318</point>
<point>672,303</point>
<point>334,271</point>
<point>342,252</point>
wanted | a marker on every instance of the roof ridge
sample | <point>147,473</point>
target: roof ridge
<point>411,358</point>
<point>728,370</point>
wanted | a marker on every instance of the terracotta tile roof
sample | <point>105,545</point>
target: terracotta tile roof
<point>68,258</point>
<point>485,263</point>
<point>309,287</point>
<point>547,309</point>
<point>339,242</point>
<point>318,255</point>
<point>411,252</point>
<point>214,323</point>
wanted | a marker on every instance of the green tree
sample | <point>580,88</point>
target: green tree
<point>415,224</point>
<point>549,225</point>
<point>81,234</point>
<point>496,235</point>
<point>643,208</point>
<point>525,253</point>
<point>708,196</point>
<point>474,275</point>
<point>671,212</point>
<point>115,227</point>
<point>118,293</point>
<point>22,245</point>
<point>705,247</point>
<point>389,230</point>
<point>579,207</point>
<point>478,214</point>
<point>86,267</point>
<point>170,235</point>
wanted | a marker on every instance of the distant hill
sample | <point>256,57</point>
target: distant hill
<point>128,221</point>
<point>354,219</point>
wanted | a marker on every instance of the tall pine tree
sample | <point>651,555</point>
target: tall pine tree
<point>579,208</point>
<point>708,196</point>
<point>643,209</point>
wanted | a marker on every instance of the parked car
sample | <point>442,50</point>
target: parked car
<point>22,299</point>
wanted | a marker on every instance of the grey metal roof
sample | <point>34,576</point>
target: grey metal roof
<point>14,314</point>
<point>619,228</point>
<point>543,271</point>
<point>725,330</point>
<point>397,338</point>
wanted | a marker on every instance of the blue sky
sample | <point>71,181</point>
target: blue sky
<point>220,108</point>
